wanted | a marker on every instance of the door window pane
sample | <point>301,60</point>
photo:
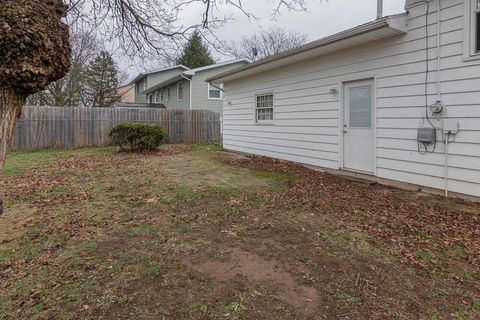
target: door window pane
<point>361,107</point>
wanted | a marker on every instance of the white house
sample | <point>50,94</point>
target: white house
<point>397,99</point>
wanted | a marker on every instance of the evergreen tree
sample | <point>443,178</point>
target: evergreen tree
<point>195,53</point>
<point>102,81</point>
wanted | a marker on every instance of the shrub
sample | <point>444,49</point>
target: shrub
<point>137,137</point>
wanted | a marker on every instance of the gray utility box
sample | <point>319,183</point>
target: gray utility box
<point>426,135</point>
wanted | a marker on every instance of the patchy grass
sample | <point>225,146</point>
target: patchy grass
<point>18,161</point>
<point>192,232</point>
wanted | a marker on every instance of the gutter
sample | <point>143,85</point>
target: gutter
<point>359,30</point>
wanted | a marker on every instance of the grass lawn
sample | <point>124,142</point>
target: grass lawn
<point>192,232</point>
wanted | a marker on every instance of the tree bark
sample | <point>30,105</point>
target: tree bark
<point>10,108</point>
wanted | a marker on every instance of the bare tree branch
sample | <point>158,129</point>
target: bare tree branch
<point>266,43</point>
<point>155,28</point>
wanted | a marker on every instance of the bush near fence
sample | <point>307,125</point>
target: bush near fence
<point>59,127</point>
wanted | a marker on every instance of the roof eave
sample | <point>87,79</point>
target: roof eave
<point>144,74</point>
<point>192,72</point>
<point>396,23</point>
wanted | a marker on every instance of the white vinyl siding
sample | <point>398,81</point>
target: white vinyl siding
<point>308,121</point>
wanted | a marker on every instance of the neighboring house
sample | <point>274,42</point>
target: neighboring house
<point>126,93</point>
<point>146,80</point>
<point>185,88</point>
<point>355,101</point>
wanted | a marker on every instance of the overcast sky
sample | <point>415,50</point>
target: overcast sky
<point>322,19</point>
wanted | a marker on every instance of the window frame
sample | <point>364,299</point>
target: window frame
<point>220,89</point>
<point>150,98</point>
<point>180,85</point>
<point>264,122</point>
<point>168,95</point>
<point>156,96</point>
<point>162,95</point>
<point>471,48</point>
<point>145,84</point>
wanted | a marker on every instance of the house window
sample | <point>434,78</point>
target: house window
<point>137,88</point>
<point>145,84</point>
<point>471,29</point>
<point>180,91</point>
<point>150,98</point>
<point>156,97</point>
<point>264,108</point>
<point>162,95</point>
<point>477,27</point>
<point>168,93</point>
<point>214,92</point>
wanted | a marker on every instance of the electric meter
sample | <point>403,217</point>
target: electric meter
<point>437,107</point>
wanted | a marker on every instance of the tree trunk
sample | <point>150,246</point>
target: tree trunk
<point>10,108</point>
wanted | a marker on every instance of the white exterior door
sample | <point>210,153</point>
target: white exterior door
<point>358,133</point>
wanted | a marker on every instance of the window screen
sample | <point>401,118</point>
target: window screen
<point>264,108</point>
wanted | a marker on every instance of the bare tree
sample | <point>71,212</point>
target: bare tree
<point>266,43</point>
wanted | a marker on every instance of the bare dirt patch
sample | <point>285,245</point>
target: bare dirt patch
<point>259,271</point>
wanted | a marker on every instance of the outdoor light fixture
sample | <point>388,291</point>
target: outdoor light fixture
<point>333,91</point>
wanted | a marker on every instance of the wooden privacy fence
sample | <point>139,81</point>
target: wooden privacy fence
<point>59,127</point>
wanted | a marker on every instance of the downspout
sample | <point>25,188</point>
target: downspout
<point>438,51</point>
<point>191,89</point>
<point>439,92</point>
